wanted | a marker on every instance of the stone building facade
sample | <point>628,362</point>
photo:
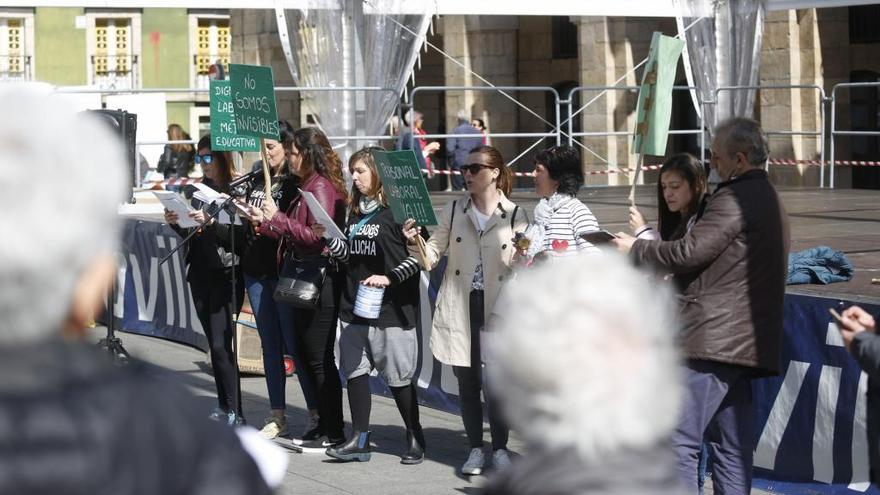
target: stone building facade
<point>810,47</point>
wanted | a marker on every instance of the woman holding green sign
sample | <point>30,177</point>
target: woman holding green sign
<point>377,312</point>
<point>274,321</point>
<point>320,172</point>
<point>475,231</point>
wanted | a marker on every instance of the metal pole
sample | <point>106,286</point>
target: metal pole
<point>833,123</point>
<point>822,142</point>
<point>570,125</point>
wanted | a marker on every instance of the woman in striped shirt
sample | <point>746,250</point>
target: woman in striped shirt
<point>559,218</point>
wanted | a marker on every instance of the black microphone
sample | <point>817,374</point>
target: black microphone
<point>246,178</point>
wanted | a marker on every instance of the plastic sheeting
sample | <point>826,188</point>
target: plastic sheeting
<point>350,43</point>
<point>723,49</point>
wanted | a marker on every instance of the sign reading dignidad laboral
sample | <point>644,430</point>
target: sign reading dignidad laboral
<point>223,132</point>
<point>253,101</point>
<point>404,186</point>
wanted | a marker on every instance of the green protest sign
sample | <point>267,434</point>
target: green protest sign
<point>223,135</point>
<point>404,186</point>
<point>654,108</point>
<point>253,101</point>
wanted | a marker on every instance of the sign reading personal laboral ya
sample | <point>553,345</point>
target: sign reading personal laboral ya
<point>654,108</point>
<point>223,132</point>
<point>404,186</point>
<point>253,101</point>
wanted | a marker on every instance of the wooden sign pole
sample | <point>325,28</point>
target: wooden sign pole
<point>267,185</point>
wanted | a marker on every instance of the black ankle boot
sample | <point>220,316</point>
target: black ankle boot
<point>357,448</point>
<point>415,447</point>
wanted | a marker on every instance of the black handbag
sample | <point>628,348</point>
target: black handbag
<point>301,280</point>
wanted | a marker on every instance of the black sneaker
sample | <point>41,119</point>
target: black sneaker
<point>312,432</point>
<point>316,446</point>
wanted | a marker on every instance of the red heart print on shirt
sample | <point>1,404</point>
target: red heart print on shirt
<point>559,246</point>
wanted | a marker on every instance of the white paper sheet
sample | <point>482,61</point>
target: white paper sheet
<point>172,201</point>
<point>322,217</point>
<point>207,195</point>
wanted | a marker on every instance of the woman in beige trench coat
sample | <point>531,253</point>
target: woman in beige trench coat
<point>476,232</point>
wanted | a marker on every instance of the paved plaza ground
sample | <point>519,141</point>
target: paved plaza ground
<point>848,220</point>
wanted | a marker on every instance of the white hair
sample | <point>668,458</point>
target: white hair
<point>62,175</point>
<point>582,354</point>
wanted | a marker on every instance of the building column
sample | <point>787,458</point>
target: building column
<point>484,46</point>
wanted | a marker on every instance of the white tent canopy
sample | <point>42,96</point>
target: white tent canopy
<point>617,8</point>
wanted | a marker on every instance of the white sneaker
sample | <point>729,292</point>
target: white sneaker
<point>274,427</point>
<point>500,459</point>
<point>475,462</point>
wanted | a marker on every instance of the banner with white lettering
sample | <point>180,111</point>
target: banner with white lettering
<point>811,419</point>
<point>151,299</point>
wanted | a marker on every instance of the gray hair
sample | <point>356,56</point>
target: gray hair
<point>463,116</point>
<point>742,135</point>
<point>583,355</point>
<point>62,175</point>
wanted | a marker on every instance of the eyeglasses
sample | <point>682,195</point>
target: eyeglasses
<point>206,159</point>
<point>474,168</point>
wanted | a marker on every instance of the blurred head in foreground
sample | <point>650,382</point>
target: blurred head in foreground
<point>59,220</point>
<point>584,361</point>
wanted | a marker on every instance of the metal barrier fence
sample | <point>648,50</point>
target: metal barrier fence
<point>557,132</point>
<point>834,131</point>
<point>502,89</point>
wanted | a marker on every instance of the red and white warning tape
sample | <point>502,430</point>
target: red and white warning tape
<point>623,170</point>
<point>849,163</point>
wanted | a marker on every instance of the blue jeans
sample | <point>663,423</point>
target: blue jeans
<point>717,412</point>
<point>275,325</point>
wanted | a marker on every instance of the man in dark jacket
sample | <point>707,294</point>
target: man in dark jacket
<point>70,421</point>
<point>732,264</point>
<point>858,329</point>
<point>459,147</point>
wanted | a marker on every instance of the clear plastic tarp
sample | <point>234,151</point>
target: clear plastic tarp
<point>348,43</point>
<point>724,49</point>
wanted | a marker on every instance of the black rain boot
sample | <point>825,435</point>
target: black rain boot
<point>415,447</point>
<point>357,448</point>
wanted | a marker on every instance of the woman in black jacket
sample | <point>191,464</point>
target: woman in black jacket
<point>210,262</point>
<point>376,255</point>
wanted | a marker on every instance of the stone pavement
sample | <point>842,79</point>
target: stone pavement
<point>317,474</point>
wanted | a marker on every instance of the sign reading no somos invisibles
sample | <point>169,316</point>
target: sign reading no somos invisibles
<point>404,186</point>
<point>253,100</point>
<point>223,131</point>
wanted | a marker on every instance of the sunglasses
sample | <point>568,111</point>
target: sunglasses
<point>206,159</point>
<point>473,168</point>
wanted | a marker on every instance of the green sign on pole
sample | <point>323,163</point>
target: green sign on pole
<point>404,186</point>
<point>654,108</point>
<point>253,100</point>
<point>223,135</point>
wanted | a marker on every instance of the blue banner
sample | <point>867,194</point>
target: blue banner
<point>151,299</point>
<point>811,419</point>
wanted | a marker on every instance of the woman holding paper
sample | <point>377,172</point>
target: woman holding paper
<point>380,301</point>
<point>274,321</point>
<point>475,231</point>
<point>210,261</point>
<point>320,171</point>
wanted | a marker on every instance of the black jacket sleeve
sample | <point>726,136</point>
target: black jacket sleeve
<point>866,349</point>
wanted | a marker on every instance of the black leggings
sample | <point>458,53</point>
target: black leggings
<point>359,401</point>
<point>212,298</point>
<point>316,339</point>
<point>470,382</point>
